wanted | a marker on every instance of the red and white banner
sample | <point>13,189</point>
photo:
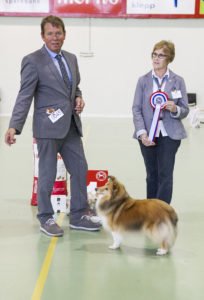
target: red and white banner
<point>88,7</point>
<point>95,178</point>
<point>104,8</point>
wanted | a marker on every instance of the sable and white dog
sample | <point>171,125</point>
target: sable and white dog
<point>120,213</point>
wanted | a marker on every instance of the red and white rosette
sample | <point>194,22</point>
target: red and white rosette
<point>158,101</point>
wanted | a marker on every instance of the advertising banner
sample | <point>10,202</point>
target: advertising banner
<point>104,8</point>
<point>88,7</point>
<point>24,6</point>
<point>172,7</point>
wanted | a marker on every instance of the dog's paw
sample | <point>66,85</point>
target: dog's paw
<point>96,219</point>
<point>161,251</point>
<point>114,247</point>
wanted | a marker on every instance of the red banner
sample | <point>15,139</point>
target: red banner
<point>100,177</point>
<point>88,7</point>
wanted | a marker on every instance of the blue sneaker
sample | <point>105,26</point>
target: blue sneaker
<point>85,222</point>
<point>51,228</point>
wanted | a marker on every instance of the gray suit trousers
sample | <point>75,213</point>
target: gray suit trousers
<point>72,152</point>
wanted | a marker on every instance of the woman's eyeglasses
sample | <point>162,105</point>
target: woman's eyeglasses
<point>160,56</point>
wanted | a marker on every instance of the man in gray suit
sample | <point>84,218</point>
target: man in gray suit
<point>51,76</point>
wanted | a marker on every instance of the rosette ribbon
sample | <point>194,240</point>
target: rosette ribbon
<point>158,101</point>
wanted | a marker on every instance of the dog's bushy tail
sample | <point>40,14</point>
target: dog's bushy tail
<point>174,218</point>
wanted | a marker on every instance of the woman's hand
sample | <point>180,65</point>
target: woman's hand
<point>146,141</point>
<point>171,106</point>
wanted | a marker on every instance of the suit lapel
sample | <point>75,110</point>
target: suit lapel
<point>53,69</point>
<point>149,85</point>
<point>170,84</point>
<point>148,88</point>
<point>149,82</point>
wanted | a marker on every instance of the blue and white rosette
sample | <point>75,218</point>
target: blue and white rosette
<point>158,101</point>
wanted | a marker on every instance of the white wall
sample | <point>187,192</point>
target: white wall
<point>121,50</point>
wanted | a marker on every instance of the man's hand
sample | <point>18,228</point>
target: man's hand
<point>10,136</point>
<point>79,105</point>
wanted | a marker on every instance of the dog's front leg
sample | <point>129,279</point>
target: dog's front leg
<point>117,239</point>
<point>163,249</point>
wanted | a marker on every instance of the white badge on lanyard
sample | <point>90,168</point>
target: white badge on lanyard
<point>176,94</point>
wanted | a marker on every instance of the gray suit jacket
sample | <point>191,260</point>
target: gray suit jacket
<point>41,80</point>
<point>143,112</point>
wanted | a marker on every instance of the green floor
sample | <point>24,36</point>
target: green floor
<point>80,266</point>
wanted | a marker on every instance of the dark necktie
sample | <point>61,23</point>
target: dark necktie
<point>63,71</point>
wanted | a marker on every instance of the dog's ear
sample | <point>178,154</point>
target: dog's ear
<point>119,191</point>
<point>114,181</point>
<point>112,178</point>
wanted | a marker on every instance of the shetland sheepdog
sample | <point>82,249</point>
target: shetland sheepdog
<point>120,213</point>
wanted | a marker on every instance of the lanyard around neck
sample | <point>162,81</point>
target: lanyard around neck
<point>159,85</point>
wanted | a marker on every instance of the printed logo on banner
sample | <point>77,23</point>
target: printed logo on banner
<point>95,178</point>
<point>161,7</point>
<point>88,7</point>
<point>25,6</point>
<point>101,176</point>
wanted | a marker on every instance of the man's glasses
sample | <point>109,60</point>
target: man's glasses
<point>160,56</point>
